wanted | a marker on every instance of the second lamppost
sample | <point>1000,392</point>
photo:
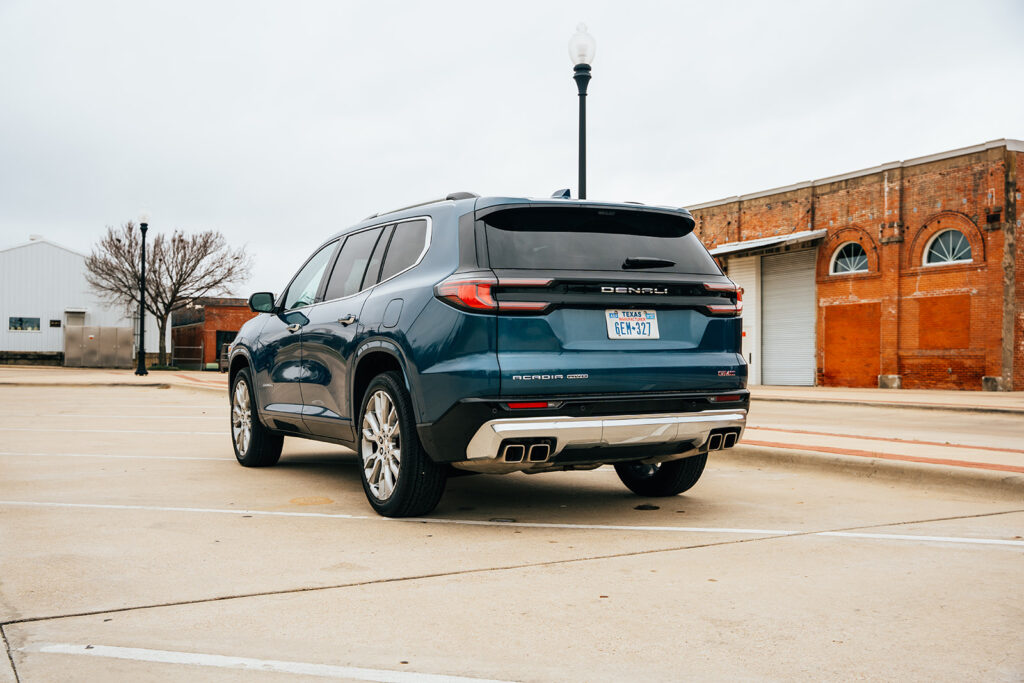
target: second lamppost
<point>582,47</point>
<point>140,369</point>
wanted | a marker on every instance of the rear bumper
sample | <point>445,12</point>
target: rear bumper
<point>571,433</point>
<point>586,429</point>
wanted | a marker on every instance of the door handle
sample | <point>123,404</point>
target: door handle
<point>294,327</point>
<point>347,320</point>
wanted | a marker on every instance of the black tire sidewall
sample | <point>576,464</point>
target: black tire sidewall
<point>264,447</point>
<point>413,457</point>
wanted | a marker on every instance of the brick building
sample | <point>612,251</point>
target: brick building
<point>909,274</point>
<point>203,327</point>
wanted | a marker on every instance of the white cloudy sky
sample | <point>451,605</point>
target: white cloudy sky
<point>281,122</point>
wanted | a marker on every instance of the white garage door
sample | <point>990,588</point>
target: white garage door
<point>788,318</point>
<point>746,273</point>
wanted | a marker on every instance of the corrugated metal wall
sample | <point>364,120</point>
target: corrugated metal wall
<point>45,281</point>
<point>788,306</point>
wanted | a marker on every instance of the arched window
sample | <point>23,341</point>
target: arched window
<point>948,246</point>
<point>849,258</point>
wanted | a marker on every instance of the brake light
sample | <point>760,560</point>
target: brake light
<point>729,309</point>
<point>474,293</point>
<point>477,294</point>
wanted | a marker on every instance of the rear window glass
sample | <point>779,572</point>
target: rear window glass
<point>406,246</point>
<point>594,239</point>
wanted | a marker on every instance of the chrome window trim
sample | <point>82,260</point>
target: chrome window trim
<point>426,246</point>
<point>931,241</point>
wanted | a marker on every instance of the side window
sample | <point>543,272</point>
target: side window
<point>406,246</point>
<point>302,291</point>
<point>373,270</point>
<point>347,276</point>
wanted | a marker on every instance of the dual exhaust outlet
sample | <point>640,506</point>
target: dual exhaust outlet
<point>520,451</point>
<point>722,438</point>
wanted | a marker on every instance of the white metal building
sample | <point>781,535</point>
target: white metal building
<point>43,290</point>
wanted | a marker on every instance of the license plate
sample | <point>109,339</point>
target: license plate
<point>631,324</point>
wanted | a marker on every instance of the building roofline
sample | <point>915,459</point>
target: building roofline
<point>1009,143</point>
<point>42,240</point>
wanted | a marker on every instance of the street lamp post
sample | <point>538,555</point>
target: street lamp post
<point>141,367</point>
<point>582,47</point>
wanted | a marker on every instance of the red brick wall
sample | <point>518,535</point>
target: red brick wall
<point>216,318</point>
<point>223,318</point>
<point>851,326</point>
<point>893,213</point>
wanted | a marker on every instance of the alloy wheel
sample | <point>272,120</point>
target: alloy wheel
<point>381,445</point>
<point>241,417</point>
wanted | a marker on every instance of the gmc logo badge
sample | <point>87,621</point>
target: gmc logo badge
<point>634,290</point>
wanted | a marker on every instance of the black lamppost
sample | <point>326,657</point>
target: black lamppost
<point>581,51</point>
<point>141,367</point>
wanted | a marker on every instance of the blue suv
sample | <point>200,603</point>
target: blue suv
<point>495,335</point>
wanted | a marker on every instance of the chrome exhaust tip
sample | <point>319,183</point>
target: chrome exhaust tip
<point>539,452</point>
<point>514,452</point>
<point>730,440</point>
<point>715,442</point>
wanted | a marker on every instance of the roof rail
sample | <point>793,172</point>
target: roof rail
<point>450,197</point>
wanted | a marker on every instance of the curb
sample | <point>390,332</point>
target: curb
<point>924,475</point>
<point>891,404</point>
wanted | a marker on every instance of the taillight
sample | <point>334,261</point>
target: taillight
<point>477,294</point>
<point>729,309</point>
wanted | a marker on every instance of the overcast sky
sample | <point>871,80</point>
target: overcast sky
<point>279,123</point>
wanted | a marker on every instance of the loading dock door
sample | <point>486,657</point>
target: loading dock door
<point>746,273</point>
<point>788,318</point>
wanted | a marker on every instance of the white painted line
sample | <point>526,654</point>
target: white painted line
<point>526,525</point>
<point>108,431</point>
<point>6,454</point>
<point>250,664</point>
<point>921,539</point>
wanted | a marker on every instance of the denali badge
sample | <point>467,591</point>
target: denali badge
<point>633,290</point>
<point>726,373</point>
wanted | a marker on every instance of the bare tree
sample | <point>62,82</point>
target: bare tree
<point>179,268</point>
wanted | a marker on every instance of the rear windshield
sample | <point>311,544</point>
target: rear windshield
<point>595,239</point>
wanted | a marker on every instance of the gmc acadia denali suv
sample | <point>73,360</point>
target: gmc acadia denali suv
<point>496,334</point>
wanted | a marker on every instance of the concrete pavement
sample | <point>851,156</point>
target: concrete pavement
<point>135,548</point>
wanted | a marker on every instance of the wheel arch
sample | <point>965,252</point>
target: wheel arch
<point>373,358</point>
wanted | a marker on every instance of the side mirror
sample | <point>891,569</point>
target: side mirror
<point>262,302</point>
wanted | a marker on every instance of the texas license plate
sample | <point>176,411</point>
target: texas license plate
<point>631,324</point>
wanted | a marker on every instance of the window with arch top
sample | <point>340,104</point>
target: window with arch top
<point>849,258</point>
<point>947,246</point>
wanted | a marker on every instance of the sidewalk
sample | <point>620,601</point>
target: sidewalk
<point>43,376</point>
<point>1009,402</point>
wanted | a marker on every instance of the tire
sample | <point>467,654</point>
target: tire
<point>399,478</point>
<point>255,445</point>
<point>666,479</point>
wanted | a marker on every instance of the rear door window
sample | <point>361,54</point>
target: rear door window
<point>372,276</point>
<point>349,268</point>
<point>406,247</point>
<point>595,239</point>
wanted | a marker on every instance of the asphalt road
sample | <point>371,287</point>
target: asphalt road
<point>133,547</point>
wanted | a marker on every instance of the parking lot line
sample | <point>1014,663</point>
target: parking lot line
<point>8,454</point>
<point>533,525</point>
<point>251,664</point>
